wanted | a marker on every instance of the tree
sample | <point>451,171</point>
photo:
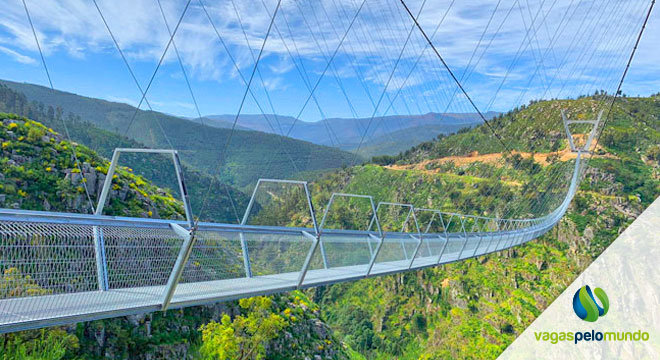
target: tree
<point>245,337</point>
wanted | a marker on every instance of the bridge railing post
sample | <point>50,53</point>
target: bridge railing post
<point>372,261</point>
<point>426,230</point>
<point>512,234</point>
<point>244,245</point>
<point>404,224</point>
<point>594,123</point>
<point>380,238</point>
<point>419,236</point>
<point>465,238</point>
<point>316,239</point>
<point>101,262</point>
<point>481,235</point>
<point>373,220</point>
<point>509,236</point>
<point>444,229</point>
<point>500,228</point>
<point>179,265</point>
<point>105,191</point>
<point>246,255</point>
<point>518,236</point>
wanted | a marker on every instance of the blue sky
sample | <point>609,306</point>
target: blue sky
<point>558,49</point>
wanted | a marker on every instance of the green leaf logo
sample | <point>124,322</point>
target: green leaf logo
<point>585,305</point>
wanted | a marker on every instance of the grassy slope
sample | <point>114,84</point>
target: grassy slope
<point>533,128</point>
<point>39,172</point>
<point>401,140</point>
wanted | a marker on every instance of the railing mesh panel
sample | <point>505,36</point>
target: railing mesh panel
<point>41,259</point>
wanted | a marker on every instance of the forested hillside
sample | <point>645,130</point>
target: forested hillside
<point>475,308</point>
<point>38,171</point>
<point>202,147</point>
<point>156,168</point>
<point>41,170</point>
<point>471,309</point>
<point>386,135</point>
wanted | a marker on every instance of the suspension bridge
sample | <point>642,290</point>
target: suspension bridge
<point>63,268</point>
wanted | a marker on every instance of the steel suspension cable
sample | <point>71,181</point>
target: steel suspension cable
<point>625,71</point>
<point>302,73</point>
<point>333,70</point>
<point>558,174</point>
<point>326,68</point>
<point>261,79</point>
<point>160,61</point>
<point>427,85</point>
<point>240,108</point>
<point>356,69</point>
<point>482,53</point>
<point>451,73</point>
<point>366,47</point>
<point>448,192</point>
<point>552,43</point>
<point>65,126</point>
<point>266,92</point>
<point>357,150</point>
<point>514,61</point>
<point>541,201</point>
<point>245,82</point>
<point>544,199</point>
<point>483,33</point>
<point>414,66</point>
<point>194,99</point>
<point>534,38</point>
<point>135,80</point>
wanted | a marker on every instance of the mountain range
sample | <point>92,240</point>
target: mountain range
<point>387,135</point>
<point>305,146</point>
<point>239,158</point>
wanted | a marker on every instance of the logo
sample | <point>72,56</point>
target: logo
<point>585,305</point>
<point>588,309</point>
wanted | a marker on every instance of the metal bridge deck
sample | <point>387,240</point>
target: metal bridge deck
<point>33,312</point>
<point>65,268</point>
<point>66,308</point>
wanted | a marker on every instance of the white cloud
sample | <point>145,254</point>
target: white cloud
<point>23,59</point>
<point>313,29</point>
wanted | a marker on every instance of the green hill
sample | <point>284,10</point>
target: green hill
<point>387,135</point>
<point>401,140</point>
<point>39,172</point>
<point>246,159</point>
